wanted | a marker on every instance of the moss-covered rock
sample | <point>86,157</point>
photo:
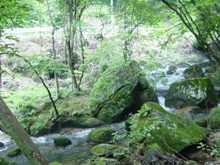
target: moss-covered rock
<point>3,161</point>
<point>14,152</point>
<point>100,135</point>
<point>43,126</point>
<point>108,150</point>
<point>55,163</point>
<point>62,141</point>
<point>214,118</point>
<point>203,122</point>
<point>171,70</point>
<point>105,161</point>
<point>151,152</point>
<point>120,89</point>
<point>154,147</point>
<point>191,92</point>
<point>81,122</point>
<point>194,71</point>
<point>171,132</point>
<point>104,149</point>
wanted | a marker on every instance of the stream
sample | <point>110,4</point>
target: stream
<point>78,152</point>
<point>73,154</point>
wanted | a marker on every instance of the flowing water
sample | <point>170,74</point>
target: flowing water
<point>162,87</point>
<point>73,154</point>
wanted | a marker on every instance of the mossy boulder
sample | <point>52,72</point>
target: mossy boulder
<point>122,88</point>
<point>151,153</point>
<point>55,163</point>
<point>105,161</point>
<point>43,126</point>
<point>14,152</point>
<point>214,118</point>
<point>191,92</point>
<point>108,150</point>
<point>171,70</point>
<point>153,147</point>
<point>152,124</point>
<point>62,141</point>
<point>81,122</point>
<point>100,135</point>
<point>194,71</point>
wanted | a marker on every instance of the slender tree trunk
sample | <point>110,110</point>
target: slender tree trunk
<point>53,47</point>
<point>45,86</point>
<point>15,130</point>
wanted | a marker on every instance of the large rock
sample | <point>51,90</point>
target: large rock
<point>108,150</point>
<point>194,71</point>
<point>152,124</point>
<point>119,90</point>
<point>81,122</point>
<point>214,118</point>
<point>61,141</point>
<point>191,92</point>
<point>171,70</point>
<point>100,135</point>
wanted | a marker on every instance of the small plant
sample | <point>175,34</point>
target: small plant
<point>212,147</point>
<point>120,136</point>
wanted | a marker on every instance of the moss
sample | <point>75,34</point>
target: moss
<point>172,69</point>
<point>55,163</point>
<point>76,105</point>
<point>106,116</point>
<point>191,162</point>
<point>116,89</point>
<point>61,141</point>
<point>107,150</point>
<point>14,152</point>
<point>173,133</point>
<point>201,122</point>
<point>39,126</point>
<point>81,122</point>
<point>214,118</point>
<point>194,71</point>
<point>191,92</point>
<point>100,135</point>
<point>154,147</point>
<point>105,161</point>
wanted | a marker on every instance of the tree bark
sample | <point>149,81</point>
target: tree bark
<point>15,130</point>
<point>53,46</point>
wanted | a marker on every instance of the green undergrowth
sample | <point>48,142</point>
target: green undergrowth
<point>34,110</point>
<point>76,104</point>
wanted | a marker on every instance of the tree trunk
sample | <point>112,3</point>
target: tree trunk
<point>15,130</point>
<point>53,47</point>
